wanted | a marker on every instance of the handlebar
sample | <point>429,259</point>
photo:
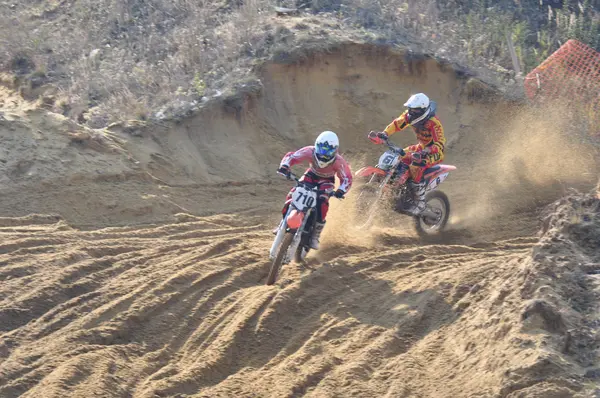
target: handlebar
<point>397,149</point>
<point>294,177</point>
<point>393,147</point>
<point>291,176</point>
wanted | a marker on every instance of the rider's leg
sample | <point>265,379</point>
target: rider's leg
<point>418,191</point>
<point>322,209</point>
<point>404,162</point>
<point>415,174</point>
<point>406,159</point>
<point>418,184</point>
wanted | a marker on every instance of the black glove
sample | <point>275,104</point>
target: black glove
<point>285,170</point>
<point>339,194</point>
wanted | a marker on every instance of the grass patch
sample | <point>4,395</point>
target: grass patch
<point>109,61</point>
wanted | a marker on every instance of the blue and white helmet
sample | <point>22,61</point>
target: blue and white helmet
<point>326,148</point>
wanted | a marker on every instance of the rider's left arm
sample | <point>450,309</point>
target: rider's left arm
<point>398,124</point>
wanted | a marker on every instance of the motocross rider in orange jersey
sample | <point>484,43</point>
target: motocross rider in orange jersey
<point>430,148</point>
<point>325,163</point>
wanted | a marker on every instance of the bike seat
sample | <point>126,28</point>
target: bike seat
<point>431,169</point>
<point>438,168</point>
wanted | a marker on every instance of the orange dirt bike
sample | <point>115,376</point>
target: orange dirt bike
<point>388,182</point>
<point>296,228</point>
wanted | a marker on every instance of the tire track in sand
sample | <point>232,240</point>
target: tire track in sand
<point>182,310</point>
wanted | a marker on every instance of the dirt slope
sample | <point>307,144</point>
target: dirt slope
<point>179,308</point>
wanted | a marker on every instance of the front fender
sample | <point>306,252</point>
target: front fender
<point>369,171</point>
<point>294,219</point>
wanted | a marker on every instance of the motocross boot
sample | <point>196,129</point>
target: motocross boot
<point>418,191</point>
<point>314,240</point>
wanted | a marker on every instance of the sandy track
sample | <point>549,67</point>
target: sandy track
<point>94,290</point>
<point>182,309</point>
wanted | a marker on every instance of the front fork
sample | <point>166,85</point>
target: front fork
<point>281,231</point>
<point>278,237</point>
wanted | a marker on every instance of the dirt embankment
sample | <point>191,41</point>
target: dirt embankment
<point>223,159</point>
<point>180,309</point>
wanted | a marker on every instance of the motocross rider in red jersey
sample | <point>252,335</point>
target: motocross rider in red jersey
<point>430,148</point>
<point>325,163</point>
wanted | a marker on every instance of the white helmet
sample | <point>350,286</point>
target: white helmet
<point>418,108</point>
<point>326,147</point>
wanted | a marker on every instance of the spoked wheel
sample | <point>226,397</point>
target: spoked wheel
<point>281,253</point>
<point>439,204</point>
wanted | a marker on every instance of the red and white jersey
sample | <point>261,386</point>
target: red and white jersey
<point>339,167</point>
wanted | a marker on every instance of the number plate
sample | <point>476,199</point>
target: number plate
<point>303,198</point>
<point>437,181</point>
<point>387,160</point>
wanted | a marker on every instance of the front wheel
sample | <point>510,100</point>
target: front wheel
<point>281,253</point>
<point>439,204</point>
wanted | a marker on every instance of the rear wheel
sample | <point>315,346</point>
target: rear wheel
<point>439,204</point>
<point>281,253</point>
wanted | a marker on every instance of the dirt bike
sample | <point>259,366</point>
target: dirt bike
<point>296,228</point>
<point>389,181</point>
